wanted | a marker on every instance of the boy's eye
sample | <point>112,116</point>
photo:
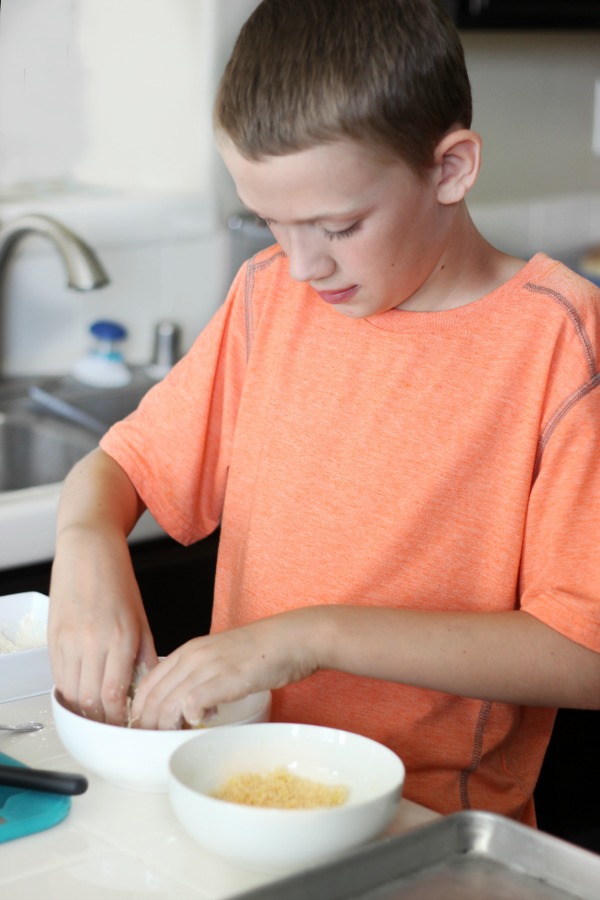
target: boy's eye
<point>332,235</point>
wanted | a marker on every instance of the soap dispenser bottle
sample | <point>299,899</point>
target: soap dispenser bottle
<point>103,365</point>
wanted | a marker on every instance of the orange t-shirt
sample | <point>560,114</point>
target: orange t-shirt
<point>434,460</point>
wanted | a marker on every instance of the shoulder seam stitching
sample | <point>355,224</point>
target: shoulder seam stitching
<point>575,319</point>
<point>585,388</point>
<point>248,294</point>
<point>559,415</point>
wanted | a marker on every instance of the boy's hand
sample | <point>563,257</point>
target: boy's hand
<point>97,627</point>
<point>97,630</point>
<point>220,668</point>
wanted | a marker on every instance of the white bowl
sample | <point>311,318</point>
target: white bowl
<point>269,839</point>
<point>138,759</point>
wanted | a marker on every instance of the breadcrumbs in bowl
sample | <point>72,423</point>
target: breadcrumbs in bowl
<point>280,789</point>
<point>277,796</point>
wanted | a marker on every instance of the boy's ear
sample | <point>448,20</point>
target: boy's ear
<point>457,159</point>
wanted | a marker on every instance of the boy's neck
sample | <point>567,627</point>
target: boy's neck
<point>469,268</point>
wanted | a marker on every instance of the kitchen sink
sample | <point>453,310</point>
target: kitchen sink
<point>105,406</point>
<point>32,453</point>
<point>47,425</point>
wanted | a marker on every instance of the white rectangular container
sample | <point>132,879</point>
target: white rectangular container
<point>24,672</point>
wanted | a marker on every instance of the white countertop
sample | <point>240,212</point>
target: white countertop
<point>117,843</point>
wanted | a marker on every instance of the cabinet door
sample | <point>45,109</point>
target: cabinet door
<point>177,585</point>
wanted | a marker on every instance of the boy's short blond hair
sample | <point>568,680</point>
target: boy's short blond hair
<point>389,73</point>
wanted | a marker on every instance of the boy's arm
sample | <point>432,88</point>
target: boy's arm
<point>509,657</point>
<point>97,629</point>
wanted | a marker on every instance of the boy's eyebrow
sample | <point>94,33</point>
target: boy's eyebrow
<point>349,214</point>
<point>346,214</point>
<point>312,220</point>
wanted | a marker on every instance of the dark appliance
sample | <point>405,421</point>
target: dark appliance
<point>525,14</point>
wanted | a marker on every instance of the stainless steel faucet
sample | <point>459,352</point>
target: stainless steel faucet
<point>84,270</point>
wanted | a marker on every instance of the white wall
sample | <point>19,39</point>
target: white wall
<point>105,123</point>
<point>42,115</point>
<point>115,93</point>
<point>533,103</point>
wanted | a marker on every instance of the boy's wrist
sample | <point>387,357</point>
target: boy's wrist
<point>87,531</point>
<point>322,635</point>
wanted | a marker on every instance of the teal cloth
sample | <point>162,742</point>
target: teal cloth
<point>24,812</point>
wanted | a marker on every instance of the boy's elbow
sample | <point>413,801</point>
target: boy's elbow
<point>588,681</point>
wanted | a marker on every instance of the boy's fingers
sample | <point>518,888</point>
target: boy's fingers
<point>116,680</point>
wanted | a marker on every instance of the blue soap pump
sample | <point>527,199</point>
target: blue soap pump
<point>104,365</point>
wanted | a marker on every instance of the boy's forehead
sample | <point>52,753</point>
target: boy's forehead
<point>327,180</point>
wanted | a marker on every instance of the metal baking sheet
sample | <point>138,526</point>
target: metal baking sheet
<point>465,856</point>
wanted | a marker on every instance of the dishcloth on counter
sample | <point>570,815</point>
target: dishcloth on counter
<point>24,812</point>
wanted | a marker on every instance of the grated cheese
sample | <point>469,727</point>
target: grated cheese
<point>30,634</point>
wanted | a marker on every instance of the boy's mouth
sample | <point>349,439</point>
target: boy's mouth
<point>339,296</point>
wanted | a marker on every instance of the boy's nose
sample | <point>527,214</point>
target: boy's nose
<point>307,259</point>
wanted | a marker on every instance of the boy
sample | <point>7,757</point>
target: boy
<point>396,424</point>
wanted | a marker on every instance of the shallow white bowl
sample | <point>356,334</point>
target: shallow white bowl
<point>138,759</point>
<point>269,839</point>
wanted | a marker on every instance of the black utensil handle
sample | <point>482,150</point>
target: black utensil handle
<point>43,780</point>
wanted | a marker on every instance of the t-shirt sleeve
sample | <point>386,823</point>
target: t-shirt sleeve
<point>176,446</point>
<point>560,572</point>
